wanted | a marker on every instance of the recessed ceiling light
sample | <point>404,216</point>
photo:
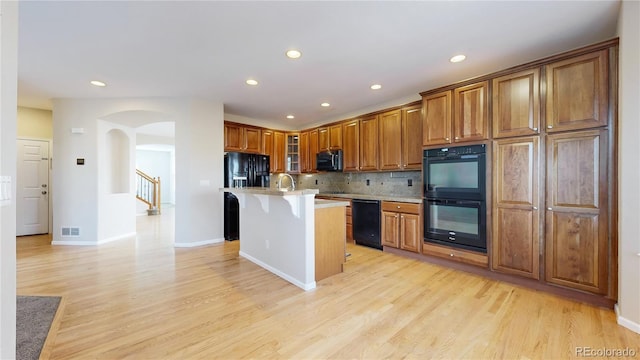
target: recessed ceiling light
<point>293,54</point>
<point>457,58</point>
<point>290,117</point>
<point>376,87</point>
<point>325,104</point>
<point>98,83</point>
<point>252,82</point>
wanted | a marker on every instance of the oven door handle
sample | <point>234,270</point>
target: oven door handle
<point>467,202</point>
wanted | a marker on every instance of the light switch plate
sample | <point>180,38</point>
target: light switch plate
<point>5,190</point>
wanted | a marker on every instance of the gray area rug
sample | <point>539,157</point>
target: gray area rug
<point>34,315</point>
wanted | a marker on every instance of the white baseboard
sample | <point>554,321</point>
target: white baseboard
<point>74,242</point>
<point>198,243</point>
<point>118,237</point>
<point>633,326</point>
<point>94,243</point>
<point>296,282</point>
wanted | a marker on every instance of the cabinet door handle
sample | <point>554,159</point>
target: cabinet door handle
<point>457,137</point>
<point>535,208</point>
<point>550,209</point>
<point>446,139</point>
<point>535,129</point>
<point>549,126</point>
<point>398,206</point>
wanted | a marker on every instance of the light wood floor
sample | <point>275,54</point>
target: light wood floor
<point>144,299</point>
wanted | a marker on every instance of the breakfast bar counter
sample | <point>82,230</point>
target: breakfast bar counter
<point>283,232</point>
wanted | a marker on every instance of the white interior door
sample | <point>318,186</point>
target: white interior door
<point>32,187</point>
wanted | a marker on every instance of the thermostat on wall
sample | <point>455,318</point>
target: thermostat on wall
<point>77,130</point>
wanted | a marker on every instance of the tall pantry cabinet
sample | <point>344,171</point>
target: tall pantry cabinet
<point>557,230</point>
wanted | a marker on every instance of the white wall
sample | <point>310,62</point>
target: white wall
<point>199,155</point>
<point>116,177</point>
<point>158,163</point>
<point>8,154</point>
<point>629,167</point>
<point>199,168</point>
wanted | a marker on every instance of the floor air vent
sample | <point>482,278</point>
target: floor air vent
<point>70,231</point>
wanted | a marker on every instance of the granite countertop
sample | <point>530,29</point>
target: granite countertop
<point>270,191</point>
<point>323,203</point>
<point>415,200</point>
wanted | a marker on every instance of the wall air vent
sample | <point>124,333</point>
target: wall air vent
<point>70,231</point>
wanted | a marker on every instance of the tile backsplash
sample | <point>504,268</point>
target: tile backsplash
<point>387,183</point>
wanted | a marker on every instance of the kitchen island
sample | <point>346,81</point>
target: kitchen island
<point>279,231</point>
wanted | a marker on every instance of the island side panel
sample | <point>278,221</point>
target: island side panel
<point>330,241</point>
<point>277,233</point>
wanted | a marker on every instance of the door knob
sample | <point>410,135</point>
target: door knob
<point>44,192</point>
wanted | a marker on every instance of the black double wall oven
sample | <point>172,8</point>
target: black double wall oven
<point>454,194</point>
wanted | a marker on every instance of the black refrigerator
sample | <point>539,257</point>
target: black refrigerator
<point>241,170</point>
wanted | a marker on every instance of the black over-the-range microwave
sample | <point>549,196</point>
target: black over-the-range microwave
<point>329,160</point>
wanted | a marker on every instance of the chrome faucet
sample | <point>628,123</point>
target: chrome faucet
<point>293,183</point>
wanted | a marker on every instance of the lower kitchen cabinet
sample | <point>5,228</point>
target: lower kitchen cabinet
<point>577,234</point>
<point>401,225</point>
<point>516,217</point>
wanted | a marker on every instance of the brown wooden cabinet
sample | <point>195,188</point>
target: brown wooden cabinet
<point>351,145</point>
<point>576,215</point>
<point>436,124</point>
<point>335,137</point>
<point>577,92</point>
<point>390,134</point>
<point>516,104</point>
<point>516,214</point>
<point>305,162</point>
<point>277,159</point>
<point>401,225</point>
<point>323,139</point>
<point>242,138</point>
<point>267,147</point>
<point>293,153</point>
<point>456,115</point>
<point>368,156</point>
<point>470,112</point>
<point>313,149</point>
<point>412,137</point>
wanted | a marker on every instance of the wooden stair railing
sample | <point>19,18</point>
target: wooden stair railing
<point>148,191</point>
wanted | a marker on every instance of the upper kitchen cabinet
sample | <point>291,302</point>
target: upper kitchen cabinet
<point>516,104</point>
<point>330,138</point>
<point>323,139</point>
<point>369,143</point>
<point>335,137</point>
<point>293,153</point>
<point>390,140</point>
<point>304,152</point>
<point>412,137</point>
<point>242,138</point>
<point>400,138</point>
<point>457,115</point>
<point>436,124</point>
<point>470,112</point>
<point>351,145</point>
<point>277,159</point>
<point>577,92</point>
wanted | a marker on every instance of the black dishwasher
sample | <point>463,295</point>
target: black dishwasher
<point>366,222</point>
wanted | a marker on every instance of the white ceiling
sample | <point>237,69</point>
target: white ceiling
<point>207,49</point>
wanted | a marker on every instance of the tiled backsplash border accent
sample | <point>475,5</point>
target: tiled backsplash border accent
<point>386,183</point>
